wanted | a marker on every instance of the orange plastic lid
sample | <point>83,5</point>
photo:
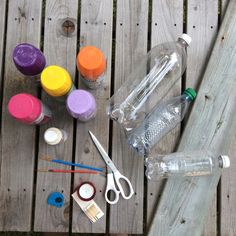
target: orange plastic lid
<point>91,62</point>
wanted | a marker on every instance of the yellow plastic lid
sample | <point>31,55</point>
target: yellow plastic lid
<point>56,81</point>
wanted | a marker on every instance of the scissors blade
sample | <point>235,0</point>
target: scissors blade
<point>106,158</point>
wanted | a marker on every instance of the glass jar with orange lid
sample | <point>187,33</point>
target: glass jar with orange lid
<point>91,64</point>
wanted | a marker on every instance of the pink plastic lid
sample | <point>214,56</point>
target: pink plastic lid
<point>24,107</point>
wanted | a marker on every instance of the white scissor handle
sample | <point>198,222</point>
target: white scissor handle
<point>111,187</point>
<point>118,176</point>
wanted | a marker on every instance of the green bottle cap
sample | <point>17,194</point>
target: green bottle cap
<point>191,93</point>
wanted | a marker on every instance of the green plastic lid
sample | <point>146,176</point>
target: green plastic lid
<point>191,93</point>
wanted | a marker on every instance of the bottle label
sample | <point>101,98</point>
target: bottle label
<point>71,89</point>
<point>64,135</point>
<point>95,83</point>
<point>87,117</point>
<point>63,98</point>
<point>197,173</point>
<point>45,115</point>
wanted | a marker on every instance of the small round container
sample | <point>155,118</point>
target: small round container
<point>28,109</point>
<point>86,191</point>
<point>28,59</point>
<point>81,105</point>
<point>91,64</point>
<point>54,136</point>
<point>56,81</point>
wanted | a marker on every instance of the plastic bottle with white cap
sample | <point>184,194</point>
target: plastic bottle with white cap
<point>54,136</point>
<point>153,77</point>
<point>191,163</point>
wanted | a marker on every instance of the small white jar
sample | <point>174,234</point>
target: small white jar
<point>54,136</point>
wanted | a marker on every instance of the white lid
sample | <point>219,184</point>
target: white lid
<point>86,191</point>
<point>52,136</point>
<point>226,161</point>
<point>186,38</point>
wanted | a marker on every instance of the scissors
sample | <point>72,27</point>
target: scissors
<point>113,176</point>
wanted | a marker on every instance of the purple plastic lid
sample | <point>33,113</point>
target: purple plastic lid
<point>81,104</point>
<point>28,59</point>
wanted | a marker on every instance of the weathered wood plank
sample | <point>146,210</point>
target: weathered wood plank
<point>131,44</point>
<point>18,140</point>
<point>167,25</point>
<point>228,196</point>
<point>224,4</point>
<point>95,29</point>
<point>202,23</point>
<point>185,202</point>
<point>59,49</point>
<point>2,35</point>
<point>2,31</point>
<point>228,190</point>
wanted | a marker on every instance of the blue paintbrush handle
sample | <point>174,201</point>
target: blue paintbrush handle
<point>77,164</point>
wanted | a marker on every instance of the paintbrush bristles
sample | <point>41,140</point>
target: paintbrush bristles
<point>46,158</point>
<point>42,170</point>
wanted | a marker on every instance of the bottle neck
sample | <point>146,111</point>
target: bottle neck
<point>182,43</point>
<point>186,97</point>
<point>220,162</point>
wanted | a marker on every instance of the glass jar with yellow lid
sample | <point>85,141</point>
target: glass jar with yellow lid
<point>56,81</point>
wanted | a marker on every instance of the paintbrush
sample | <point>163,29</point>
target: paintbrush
<point>45,158</point>
<point>68,171</point>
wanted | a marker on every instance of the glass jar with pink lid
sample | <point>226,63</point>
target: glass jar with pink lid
<point>28,109</point>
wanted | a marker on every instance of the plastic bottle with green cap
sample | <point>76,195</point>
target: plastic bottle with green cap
<point>164,117</point>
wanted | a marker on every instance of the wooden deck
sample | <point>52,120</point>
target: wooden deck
<point>124,30</point>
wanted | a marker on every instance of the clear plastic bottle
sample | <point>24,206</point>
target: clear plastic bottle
<point>191,163</point>
<point>154,77</point>
<point>164,117</point>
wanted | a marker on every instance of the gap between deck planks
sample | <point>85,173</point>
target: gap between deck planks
<point>202,25</point>
<point>95,29</point>
<point>131,46</point>
<point>227,212</point>
<point>59,49</point>
<point>225,208</point>
<point>215,103</point>
<point>18,140</point>
<point>166,25</point>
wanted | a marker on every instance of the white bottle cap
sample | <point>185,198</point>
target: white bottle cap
<point>225,161</point>
<point>53,136</point>
<point>186,38</point>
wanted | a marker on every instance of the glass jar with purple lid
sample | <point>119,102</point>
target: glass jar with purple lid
<point>28,59</point>
<point>81,105</point>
